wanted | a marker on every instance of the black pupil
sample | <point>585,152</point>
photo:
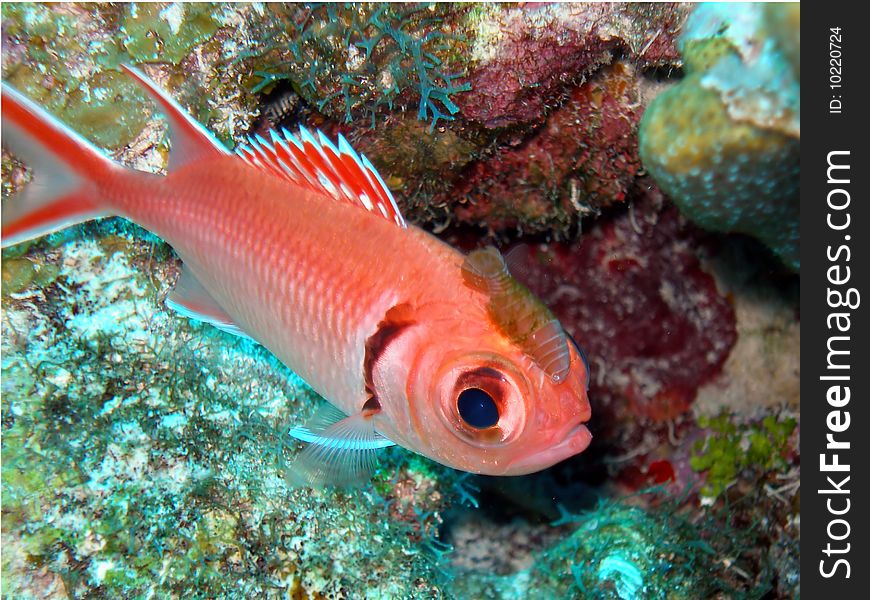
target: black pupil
<point>477,408</point>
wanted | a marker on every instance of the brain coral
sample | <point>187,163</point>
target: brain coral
<point>725,142</point>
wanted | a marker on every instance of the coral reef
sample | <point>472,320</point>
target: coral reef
<point>526,59</point>
<point>618,551</point>
<point>559,121</point>
<point>724,143</point>
<point>135,464</point>
<point>584,157</point>
<point>516,66</point>
<point>568,120</point>
<point>143,454</point>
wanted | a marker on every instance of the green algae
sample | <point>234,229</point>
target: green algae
<point>67,69</point>
<point>731,447</point>
<point>106,108</point>
<point>156,32</point>
<point>21,273</point>
<point>353,61</point>
<point>18,274</point>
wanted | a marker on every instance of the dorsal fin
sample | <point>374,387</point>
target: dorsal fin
<point>190,140</point>
<point>518,313</point>
<point>314,162</point>
<point>306,160</point>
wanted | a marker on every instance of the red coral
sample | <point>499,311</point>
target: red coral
<point>541,51</point>
<point>585,155</point>
<point>642,475</point>
<point>633,294</point>
<point>530,75</point>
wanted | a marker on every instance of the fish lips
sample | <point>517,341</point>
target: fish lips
<point>575,440</point>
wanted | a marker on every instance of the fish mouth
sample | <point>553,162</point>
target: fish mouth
<point>576,440</point>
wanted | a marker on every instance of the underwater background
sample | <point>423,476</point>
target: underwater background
<point>645,156</point>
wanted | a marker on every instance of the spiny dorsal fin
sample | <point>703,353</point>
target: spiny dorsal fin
<point>190,140</point>
<point>316,163</point>
<point>518,313</point>
<point>306,160</point>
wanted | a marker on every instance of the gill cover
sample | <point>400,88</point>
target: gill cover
<point>518,313</point>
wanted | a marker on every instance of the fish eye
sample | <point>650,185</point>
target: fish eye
<point>483,404</point>
<point>477,408</point>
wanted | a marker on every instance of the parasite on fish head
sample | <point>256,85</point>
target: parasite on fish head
<point>499,390</point>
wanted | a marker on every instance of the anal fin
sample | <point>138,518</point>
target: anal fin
<point>340,451</point>
<point>190,298</point>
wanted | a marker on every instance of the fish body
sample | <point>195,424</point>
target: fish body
<point>299,245</point>
<point>307,277</point>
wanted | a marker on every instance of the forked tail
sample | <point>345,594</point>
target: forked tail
<point>65,169</point>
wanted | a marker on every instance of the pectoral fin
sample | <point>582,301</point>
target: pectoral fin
<point>340,451</point>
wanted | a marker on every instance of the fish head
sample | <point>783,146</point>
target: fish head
<point>486,408</point>
<point>490,384</point>
<point>464,394</point>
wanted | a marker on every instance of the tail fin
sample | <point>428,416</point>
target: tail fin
<point>65,167</point>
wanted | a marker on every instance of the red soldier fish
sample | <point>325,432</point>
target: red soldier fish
<point>298,244</point>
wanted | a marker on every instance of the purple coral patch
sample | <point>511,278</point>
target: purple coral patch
<point>516,88</point>
<point>543,50</point>
<point>633,293</point>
